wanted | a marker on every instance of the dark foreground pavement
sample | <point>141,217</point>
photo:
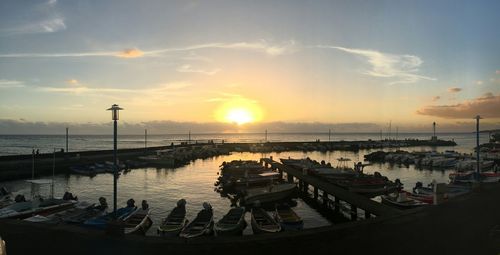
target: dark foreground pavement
<point>466,225</point>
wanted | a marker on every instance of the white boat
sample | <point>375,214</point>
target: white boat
<point>270,193</point>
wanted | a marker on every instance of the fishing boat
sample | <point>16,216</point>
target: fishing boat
<point>175,221</point>
<point>401,200</point>
<point>201,225</point>
<point>268,194</point>
<point>233,223</point>
<point>288,218</point>
<point>101,222</point>
<point>83,170</point>
<point>30,208</point>
<point>473,177</point>
<point>57,217</point>
<point>262,222</point>
<point>138,222</point>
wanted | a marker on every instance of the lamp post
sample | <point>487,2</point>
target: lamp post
<point>478,170</point>
<point>115,116</point>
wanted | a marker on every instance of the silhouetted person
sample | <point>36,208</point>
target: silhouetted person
<point>37,152</point>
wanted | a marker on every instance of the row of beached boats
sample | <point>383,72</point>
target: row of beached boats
<point>233,223</point>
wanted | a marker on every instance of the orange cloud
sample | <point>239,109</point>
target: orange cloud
<point>454,90</point>
<point>72,81</point>
<point>436,98</point>
<point>130,53</point>
<point>487,106</point>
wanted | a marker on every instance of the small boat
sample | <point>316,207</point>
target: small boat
<point>271,193</point>
<point>30,208</point>
<point>175,221</point>
<point>473,177</point>
<point>138,222</point>
<point>262,222</point>
<point>401,200</point>
<point>233,223</point>
<point>83,170</point>
<point>58,217</point>
<point>101,222</point>
<point>201,225</point>
<point>287,218</point>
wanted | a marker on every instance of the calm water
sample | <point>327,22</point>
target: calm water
<point>194,182</point>
<point>23,144</point>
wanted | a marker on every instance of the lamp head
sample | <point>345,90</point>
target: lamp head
<point>115,111</point>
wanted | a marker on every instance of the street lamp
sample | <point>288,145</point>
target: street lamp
<point>478,170</point>
<point>115,116</point>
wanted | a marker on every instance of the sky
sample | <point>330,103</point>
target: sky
<point>287,65</point>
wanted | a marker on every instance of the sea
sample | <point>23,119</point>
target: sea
<point>163,187</point>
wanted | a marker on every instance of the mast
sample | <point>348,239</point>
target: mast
<point>53,173</point>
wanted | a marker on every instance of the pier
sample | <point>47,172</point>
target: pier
<point>332,193</point>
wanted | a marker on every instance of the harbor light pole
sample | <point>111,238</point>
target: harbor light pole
<point>115,116</point>
<point>478,171</point>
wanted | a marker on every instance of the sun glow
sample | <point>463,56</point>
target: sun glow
<point>239,111</point>
<point>239,116</point>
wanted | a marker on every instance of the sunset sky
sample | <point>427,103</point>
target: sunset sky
<point>332,62</point>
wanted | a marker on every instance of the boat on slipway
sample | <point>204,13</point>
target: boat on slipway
<point>233,223</point>
<point>175,221</point>
<point>262,222</point>
<point>288,218</point>
<point>201,225</point>
<point>138,222</point>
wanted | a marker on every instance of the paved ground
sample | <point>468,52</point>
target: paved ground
<point>467,225</point>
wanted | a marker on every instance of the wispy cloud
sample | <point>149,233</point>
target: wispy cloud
<point>260,46</point>
<point>190,69</point>
<point>435,98</point>
<point>454,90</point>
<point>401,68</point>
<point>4,84</point>
<point>80,89</point>
<point>49,25</point>
<point>487,106</point>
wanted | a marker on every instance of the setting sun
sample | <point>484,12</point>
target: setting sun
<point>239,116</point>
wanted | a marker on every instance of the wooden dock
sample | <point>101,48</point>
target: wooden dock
<point>339,194</point>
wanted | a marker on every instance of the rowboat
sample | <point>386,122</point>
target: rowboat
<point>262,222</point>
<point>287,218</point>
<point>268,194</point>
<point>201,225</point>
<point>138,222</point>
<point>233,223</point>
<point>175,221</point>
<point>101,222</point>
<point>401,200</point>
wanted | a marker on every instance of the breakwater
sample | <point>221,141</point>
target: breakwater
<point>20,166</point>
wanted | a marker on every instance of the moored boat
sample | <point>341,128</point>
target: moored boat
<point>233,223</point>
<point>268,194</point>
<point>401,200</point>
<point>201,225</point>
<point>288,218</point>
<point>175,221</point>
<point>262,222</point>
